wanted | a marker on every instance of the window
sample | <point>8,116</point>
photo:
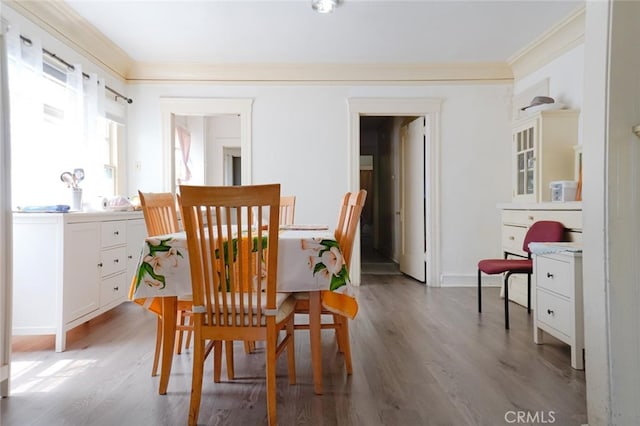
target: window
<point>58,124</point>
<point>109,158</point>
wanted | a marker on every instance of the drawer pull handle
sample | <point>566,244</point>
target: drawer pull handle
<point>116,288</point>
<point>549,275</point>
<point>550,311</point>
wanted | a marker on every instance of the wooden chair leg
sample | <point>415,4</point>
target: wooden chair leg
<point>291,359</point>
<point>271,344</point>
<point>217,361</point>
<point>156,355</point>
<point>228,345</point>
<point>346,345</point>
<point>249,346</point>
<point>188,321</point>
<point>179,332</point>
<point>337,322</point>
<point>196,380</point>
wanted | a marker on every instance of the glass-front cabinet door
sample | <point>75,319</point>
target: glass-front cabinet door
<point>525,164</point>
<point>542,152</point>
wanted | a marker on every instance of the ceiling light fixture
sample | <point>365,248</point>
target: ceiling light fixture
<point>324,6</point>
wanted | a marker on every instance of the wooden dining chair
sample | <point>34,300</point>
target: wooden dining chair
<point>233,277</point>
<point>161,217</point>
<point>345,233</point>
<point>544,231</point>
<point>287,209</point>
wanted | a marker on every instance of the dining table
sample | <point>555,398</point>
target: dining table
<point>309,261</point>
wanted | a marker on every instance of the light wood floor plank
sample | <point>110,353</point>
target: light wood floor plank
<point>421,356</point>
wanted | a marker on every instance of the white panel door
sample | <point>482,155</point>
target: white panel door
<point>412,206</point>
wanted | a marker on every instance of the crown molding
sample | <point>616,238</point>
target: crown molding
<point>64,23</point>
<point>320,73</point>
<point>558,40</point>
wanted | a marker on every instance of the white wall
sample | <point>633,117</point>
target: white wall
<point>223,131</point>
<point>566,80</point>
<point>301,136</point>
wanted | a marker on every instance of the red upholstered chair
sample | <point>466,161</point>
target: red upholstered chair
<point>544,231</point>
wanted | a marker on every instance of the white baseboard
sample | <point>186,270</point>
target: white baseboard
<point>470,280</point>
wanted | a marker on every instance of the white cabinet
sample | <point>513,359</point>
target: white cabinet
<point>136,233</point>
<point>70,268</point>
<point>516,220</point>
<point>558,301</point>
<point>542,152</point>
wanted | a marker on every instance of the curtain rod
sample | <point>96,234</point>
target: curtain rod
<point>70,66</point>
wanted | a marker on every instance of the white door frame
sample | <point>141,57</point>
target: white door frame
<point>6,270</point>
<point>170,107</point>
<point>430,109</point>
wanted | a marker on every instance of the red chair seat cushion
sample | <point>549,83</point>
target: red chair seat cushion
<point>498,266</point>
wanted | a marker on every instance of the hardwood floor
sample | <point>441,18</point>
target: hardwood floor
<point>421,356</point>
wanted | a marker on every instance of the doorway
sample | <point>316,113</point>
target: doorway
<point>429,110</point>
<point>379,225</point>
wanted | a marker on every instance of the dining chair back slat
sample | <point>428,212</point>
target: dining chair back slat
<point>287,209</point>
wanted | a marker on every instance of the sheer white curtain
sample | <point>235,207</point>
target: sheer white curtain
<point>183,137</point>
<point>94,128</point>
<point>26,108</point>
<point>57,125</point>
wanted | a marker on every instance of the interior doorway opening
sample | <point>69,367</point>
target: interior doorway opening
<point>379,172</point>
<point>419,208</point>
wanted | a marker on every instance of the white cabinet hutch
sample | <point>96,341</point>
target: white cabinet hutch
<point>71,267</point>
<point>542,152</point>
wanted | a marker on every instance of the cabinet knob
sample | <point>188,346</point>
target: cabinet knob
<point>116,260</point>
<point>116,233</point>
<point>549,275</point>
<point>550,311</point>
<point>530,217</point>
<point>116,288</point>
<point>130,256</point>
<point>100,265</point>
<point>511,237</point>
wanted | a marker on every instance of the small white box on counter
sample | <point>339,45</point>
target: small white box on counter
<point>563,190</point>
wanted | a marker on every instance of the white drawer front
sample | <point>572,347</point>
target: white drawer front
<point>512,238</point>
<point>554,275</point>
<point>113,260</point>
<point>113,288</point>
<point>113,233</point>
<point>571,219</point>
<point>554,311</point>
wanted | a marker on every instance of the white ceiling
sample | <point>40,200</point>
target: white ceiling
<point>359,31</point>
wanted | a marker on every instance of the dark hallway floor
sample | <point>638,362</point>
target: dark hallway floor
<point>372,261</point>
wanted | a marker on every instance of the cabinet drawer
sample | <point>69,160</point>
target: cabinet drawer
<point>113,233</point>
<point>571,219</point>
<point>113,288</point>
<point>554,311</point>
<point>554,275</point>
<point>512,238</point>
<point>113,260</point>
